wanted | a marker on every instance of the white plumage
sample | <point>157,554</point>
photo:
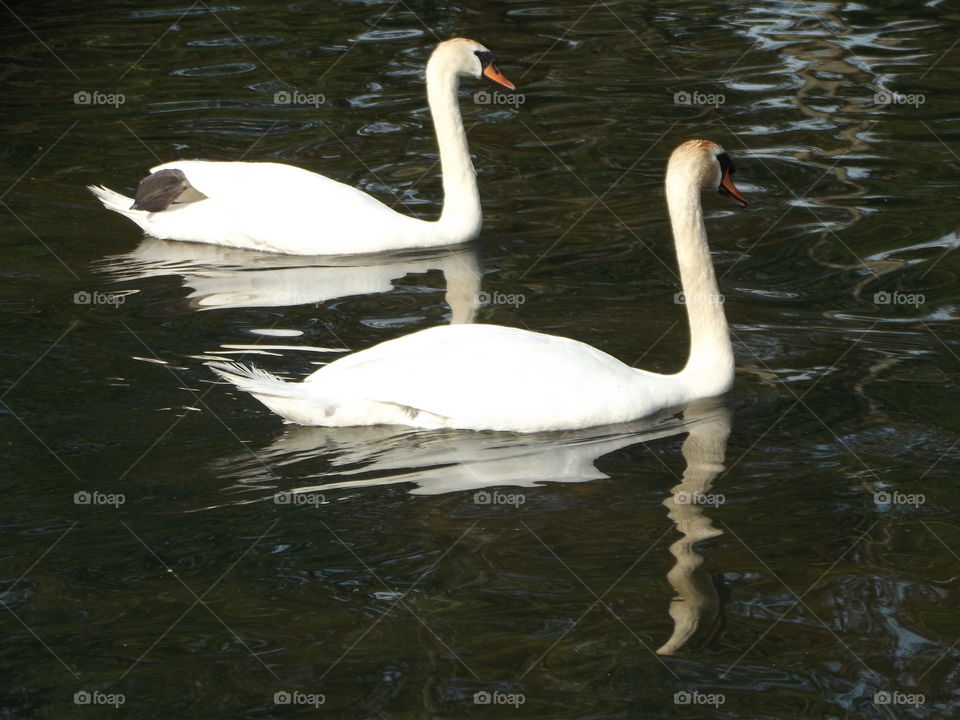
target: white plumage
<point>280,208</point>
<point>487,377</point>
<point>476,377</point>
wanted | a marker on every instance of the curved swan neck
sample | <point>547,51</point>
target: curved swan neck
<point>461,201</point>
<point>710,365</point>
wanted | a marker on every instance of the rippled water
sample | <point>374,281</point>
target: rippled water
<point>411,570</point>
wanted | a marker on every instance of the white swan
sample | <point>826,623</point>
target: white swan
<point>487,377</point>
<point>281,208</point>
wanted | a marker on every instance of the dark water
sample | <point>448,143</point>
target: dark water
<point>388,586</point>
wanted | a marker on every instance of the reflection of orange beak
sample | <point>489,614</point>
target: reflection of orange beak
<point>492,72</point>
<point>730,190</point>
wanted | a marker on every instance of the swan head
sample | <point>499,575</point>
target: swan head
<point>708,164</point>
<point>468,57</point>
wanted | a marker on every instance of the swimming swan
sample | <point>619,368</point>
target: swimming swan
<point>281,208</point>
<point>488,377</point>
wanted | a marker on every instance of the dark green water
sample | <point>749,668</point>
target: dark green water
<point>394,593</point>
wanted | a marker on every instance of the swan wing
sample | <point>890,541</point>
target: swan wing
<point>278,207</point>
<point>486,377</point>
<point>251,184</point>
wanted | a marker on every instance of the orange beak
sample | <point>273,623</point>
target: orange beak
<point>492,72</point>
<point>730,190</point>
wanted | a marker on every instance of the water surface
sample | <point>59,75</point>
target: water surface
<point>401,573</point>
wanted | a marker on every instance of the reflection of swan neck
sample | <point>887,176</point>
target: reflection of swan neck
<point>461,199</point>
<point>462,275</point>
<point>710,366</point>
<point>695,610</point>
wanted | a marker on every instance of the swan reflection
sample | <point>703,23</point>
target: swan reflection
<point>442,461</point>
<point>438,462</point>
<point>221,277</point>
<point>696,608</point>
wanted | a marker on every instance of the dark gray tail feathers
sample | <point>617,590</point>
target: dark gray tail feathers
<point>159,190</point>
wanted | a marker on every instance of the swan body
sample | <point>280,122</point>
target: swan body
<point>488,377</point>
<point>281,208</point>
<point>475,377</point>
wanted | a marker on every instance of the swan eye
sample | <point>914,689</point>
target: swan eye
<point>486,58</point>
<point>726,164</point>
<point>726,180</point>
<point>489,69</point>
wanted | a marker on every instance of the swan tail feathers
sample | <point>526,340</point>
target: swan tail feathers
<point>255,381</point>
<point>118,203</point>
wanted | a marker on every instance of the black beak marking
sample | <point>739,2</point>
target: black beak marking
<point>727,169</point>
<point>486,58</point>
<point>726,164</point>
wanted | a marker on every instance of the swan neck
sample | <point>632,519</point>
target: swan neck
<point>461,216</point>
<point>710,365</point>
